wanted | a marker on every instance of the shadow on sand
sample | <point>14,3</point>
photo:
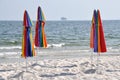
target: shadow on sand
<point>90,71</point>
<point>56,75</point>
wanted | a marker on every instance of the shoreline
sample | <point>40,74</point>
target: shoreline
<point>15,57</point>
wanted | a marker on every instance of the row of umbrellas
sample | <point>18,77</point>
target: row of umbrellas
<point>40,37</point>
<point>97,40</point>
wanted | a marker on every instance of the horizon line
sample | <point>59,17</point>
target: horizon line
<point>62,20</point>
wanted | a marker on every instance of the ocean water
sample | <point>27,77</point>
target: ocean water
<point>65,38</point>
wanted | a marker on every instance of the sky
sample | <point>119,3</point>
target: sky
<point>55,9</point>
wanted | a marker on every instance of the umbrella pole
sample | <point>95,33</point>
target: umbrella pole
<point>19,59</point>
<point>5,60</point>
<point>91,58</point>
<point>26,64</point>
<point>36,54</point>
<point>18,65</point>
<point>98,58</point>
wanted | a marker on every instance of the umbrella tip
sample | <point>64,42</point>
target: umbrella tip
<point>94,10</point>
<point>25,11</point>
<point>39,8</point>
<point>98,10</point>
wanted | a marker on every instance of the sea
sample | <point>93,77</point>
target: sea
<point>65,38</point>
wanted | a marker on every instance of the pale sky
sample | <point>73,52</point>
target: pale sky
<point>55,9</point>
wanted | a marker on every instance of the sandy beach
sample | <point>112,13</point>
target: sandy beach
<point>63,69</point>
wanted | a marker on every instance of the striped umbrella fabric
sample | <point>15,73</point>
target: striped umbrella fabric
<point>97,39</point>
<point>27,43</point>
<point>40,37</point>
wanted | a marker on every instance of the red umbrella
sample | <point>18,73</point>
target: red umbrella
<point>97,39</point>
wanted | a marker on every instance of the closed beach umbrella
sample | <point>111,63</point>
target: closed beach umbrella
<point>27,42</point>
<point>97,40</point>
<point>40,37</point>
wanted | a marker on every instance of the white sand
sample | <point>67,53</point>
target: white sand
<point>63,69</point>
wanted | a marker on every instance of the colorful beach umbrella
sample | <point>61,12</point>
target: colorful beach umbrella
<point>40,37</point>
<point>27,42</point>
<point>97,40</point>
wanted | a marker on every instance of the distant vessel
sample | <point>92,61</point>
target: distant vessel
<point>63,18</point>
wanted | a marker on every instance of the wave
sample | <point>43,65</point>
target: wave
<point>111,49</point>
<point>56,48</point>
<point>56,45</point>
<point>10,47</point>
<point>19,47</point>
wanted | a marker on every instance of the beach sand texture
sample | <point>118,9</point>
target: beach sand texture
<point>63,69</point>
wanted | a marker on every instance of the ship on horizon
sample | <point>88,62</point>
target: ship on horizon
<point>63,18</point>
